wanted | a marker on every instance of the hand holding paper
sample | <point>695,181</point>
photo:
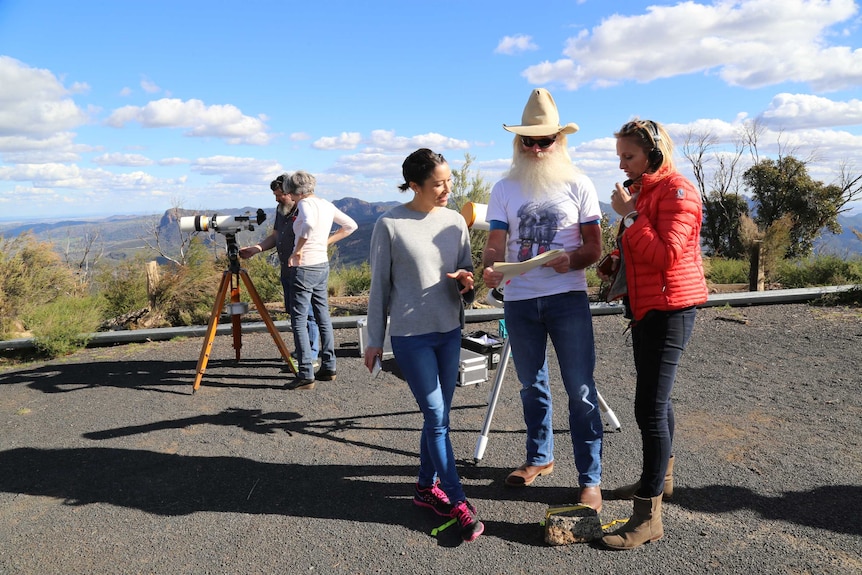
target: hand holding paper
<point>512,269</point>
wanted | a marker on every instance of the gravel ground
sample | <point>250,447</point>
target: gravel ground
<point>109,464</point>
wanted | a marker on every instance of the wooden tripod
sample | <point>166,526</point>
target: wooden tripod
<point>230,281</point>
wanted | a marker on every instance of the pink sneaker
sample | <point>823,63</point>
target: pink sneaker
<point>433,498</point>
<point>470,526</point>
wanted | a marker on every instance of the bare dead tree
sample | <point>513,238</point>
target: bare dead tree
<point>850,184</point>
<point>696,149</point>
<point>722,203</point>
<point>752,130</point>
<point>84,252</point>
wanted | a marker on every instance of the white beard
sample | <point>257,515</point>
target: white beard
<point>544,175</point>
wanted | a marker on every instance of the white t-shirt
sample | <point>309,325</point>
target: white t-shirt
<point>552,221</point>
<point>314,220</point>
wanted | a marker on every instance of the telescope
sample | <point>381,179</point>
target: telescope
<point>474,215</point>
<point>221,224</point>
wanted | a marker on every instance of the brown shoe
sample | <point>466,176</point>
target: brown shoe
<point>591,497</point>
<point>526,474</point>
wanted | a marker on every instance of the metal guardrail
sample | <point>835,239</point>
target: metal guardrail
<point>738,299</point>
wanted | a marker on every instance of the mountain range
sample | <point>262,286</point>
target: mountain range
<point>119,237</point>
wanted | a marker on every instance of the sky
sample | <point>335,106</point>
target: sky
<point>137,106</point>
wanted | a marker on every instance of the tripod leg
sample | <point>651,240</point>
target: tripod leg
<point>264,314</point>
<point>482,442</point>
<point>211,329</point>
<point>235,318</point>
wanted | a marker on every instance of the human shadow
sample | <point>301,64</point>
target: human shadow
<point>260,422</point>
<point>173,485</point>
<point>835,508</point>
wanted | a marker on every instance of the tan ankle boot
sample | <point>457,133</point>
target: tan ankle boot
<point>628,491</point>
<point>642,527</point>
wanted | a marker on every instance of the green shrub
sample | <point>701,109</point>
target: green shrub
<point>818,271</point>
<point>350,281</point>
<point>31,274</point>
<point>123,285</point>
<point>265,274</point>
<point>725,271</point>
<point>64,325</point>
<point>593,280</point>
<point>185,295</point>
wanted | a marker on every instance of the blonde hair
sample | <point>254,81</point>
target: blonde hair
<point>653,139</point>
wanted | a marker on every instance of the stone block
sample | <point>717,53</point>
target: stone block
<point>572,524</point>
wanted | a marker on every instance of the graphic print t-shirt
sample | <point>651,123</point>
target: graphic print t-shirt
<point>536,225</point>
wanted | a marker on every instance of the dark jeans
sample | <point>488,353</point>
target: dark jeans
<point>313,333</point>
<point>310,295</point>
<point>658,341</point>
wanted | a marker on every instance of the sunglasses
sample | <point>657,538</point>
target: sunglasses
<point>541,142</point>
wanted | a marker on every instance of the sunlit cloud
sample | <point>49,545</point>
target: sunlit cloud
<point>794,111</point>
<point>118,159</point>
<point>515,45</point>
<point>225,122</point>
<point>750,44</point>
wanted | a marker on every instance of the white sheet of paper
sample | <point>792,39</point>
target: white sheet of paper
<point>512,269</point>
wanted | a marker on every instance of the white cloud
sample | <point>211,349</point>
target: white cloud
<point>233,169</point>
<point>793,111</point>
<point>36,105</point>
<point>515,44</point>
<point>149,86</point>
<point>749,43</point>
<point>173,161</point>
<point>118,159</point>
<point>386,140</point>
<point>344,141</point>
<point>370,165</point>
<point>225,122</point>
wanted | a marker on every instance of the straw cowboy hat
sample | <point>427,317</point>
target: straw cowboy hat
<point>540,117</point>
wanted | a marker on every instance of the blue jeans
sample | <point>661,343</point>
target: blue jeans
<point>429,363</point>
<point>310,295</point>
<point>567,319</point>
<point>658,341</point>
<point>313,334</point>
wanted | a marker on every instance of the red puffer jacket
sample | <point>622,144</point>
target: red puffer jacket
<point>664,270</point>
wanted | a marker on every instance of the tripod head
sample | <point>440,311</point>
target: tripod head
<point>232,253</point>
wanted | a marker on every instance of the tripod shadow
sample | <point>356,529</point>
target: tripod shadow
<point>173,377</point>
<point>158,376</point>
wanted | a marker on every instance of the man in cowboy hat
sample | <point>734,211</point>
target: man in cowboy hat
<point>545,203</point>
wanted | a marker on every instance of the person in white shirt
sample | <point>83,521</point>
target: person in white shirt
<point>542,204</point>
<point>309,271</point>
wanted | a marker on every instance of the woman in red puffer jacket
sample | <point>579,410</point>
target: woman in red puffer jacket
<point>660,251</point>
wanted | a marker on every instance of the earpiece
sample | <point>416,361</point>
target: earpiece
<point>655,156</point>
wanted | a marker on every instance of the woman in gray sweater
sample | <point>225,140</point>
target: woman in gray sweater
<point>421,268</point>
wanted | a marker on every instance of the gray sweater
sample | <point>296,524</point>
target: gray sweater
<point>411,253</point>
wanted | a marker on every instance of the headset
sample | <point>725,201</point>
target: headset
<point>655,155</point>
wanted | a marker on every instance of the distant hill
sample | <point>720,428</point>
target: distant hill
<point>120,237</point>
<point>352,250</point>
